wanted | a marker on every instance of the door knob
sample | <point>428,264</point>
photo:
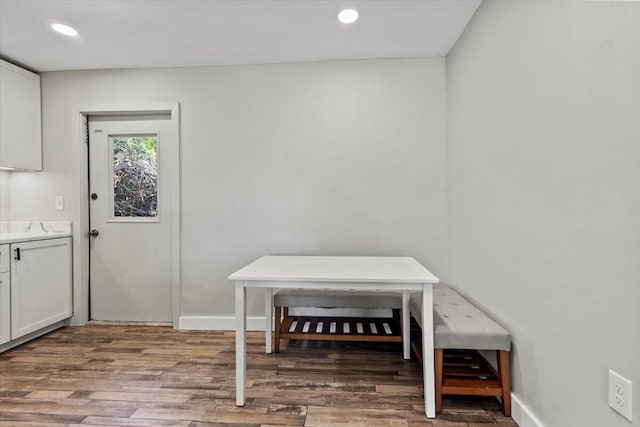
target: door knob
<point>94,196</point>
<point>94,233</point>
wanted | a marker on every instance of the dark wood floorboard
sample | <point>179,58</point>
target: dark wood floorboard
<point>139,375</point>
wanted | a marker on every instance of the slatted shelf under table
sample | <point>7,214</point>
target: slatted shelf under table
<point>341,328</point>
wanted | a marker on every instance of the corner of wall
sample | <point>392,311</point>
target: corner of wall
<point>5,196</point>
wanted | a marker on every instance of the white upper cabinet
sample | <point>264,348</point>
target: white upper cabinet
<point>20,128</point>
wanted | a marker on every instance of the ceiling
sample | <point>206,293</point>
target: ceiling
<point>177,33</point>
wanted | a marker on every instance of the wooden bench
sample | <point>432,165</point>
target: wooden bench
<point>336,328</point>
<point>461,330</point>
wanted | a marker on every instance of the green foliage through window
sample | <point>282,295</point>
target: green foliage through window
<point>135,176</point>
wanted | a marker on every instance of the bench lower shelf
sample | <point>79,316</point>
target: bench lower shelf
<point>465,372</point>
<point>340,329</point>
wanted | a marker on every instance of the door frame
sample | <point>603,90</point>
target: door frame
<point>80,149</point>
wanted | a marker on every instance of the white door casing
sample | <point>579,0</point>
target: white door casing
<point>131,268</point>
<point>80,202</point>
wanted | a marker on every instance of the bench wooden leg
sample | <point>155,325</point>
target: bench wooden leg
<point>505,381</point>
<point>276,344</point>
<point>438,362</point>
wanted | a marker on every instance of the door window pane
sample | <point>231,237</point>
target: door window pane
<point>135,176</point>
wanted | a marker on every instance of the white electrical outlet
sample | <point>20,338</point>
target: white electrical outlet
<point>620,394</point>
<point>59,203</point>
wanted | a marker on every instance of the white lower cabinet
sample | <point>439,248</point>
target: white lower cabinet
<point>5,308</point>
<point>4,258</point>
<point>41,285</point>
<point>5,295</point>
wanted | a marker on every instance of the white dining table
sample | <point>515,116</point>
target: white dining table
<point>358,273</point>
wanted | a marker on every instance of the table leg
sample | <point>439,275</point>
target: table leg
<point>427,350</point>
<point>268,315</point>
<point>241,342</point>
<point>406,329</point>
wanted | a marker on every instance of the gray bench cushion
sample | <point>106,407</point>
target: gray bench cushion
<point>336,299</point>
<point>459,324</point>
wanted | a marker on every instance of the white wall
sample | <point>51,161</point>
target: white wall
<point>544,195</point>
<point>342,157</point>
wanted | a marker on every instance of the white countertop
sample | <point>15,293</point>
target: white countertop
<point>27,231</point>
<point>28,237</point>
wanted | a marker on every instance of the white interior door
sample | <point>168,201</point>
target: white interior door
<point>130,218</point>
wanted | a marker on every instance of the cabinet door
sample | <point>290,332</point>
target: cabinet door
<point>40,284</point>
<point>20,128</point>
<point>5,309</point>
<point>4,258</point>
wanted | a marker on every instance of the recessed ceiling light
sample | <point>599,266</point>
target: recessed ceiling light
<point>348,16</point>
<point>64,29</point>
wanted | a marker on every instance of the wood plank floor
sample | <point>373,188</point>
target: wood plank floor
<point>137,375</point>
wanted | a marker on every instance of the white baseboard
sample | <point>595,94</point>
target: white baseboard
<point>218,323</point>
<point>522,415</point>
<point>16,342</point>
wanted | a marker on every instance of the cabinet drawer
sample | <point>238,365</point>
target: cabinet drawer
<point>4,258</point>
